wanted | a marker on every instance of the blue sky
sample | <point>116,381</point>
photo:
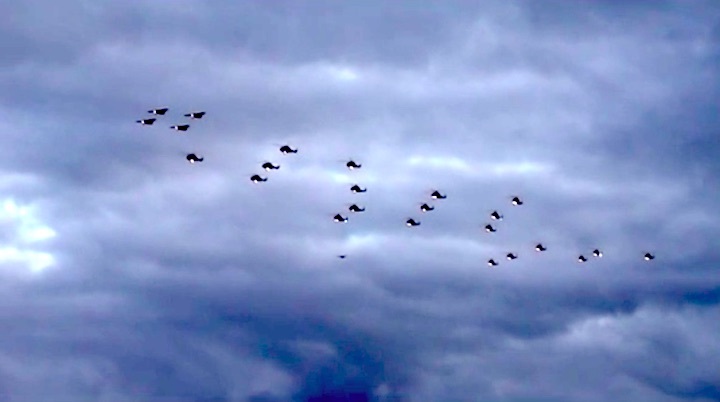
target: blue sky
<point>128,274</point>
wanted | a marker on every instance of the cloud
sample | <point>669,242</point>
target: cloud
<point>129,275</point>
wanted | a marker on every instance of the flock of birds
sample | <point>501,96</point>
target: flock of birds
<point>354,208</point>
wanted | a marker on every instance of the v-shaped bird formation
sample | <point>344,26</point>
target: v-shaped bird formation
<point>354,208</point>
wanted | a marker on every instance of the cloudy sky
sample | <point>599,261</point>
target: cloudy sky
<point>129,275</point>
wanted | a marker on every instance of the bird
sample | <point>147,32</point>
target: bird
<point>582,258</point>
<point>146,122</point>
<point>285,149</point>
<point>516,201</point>
<point>342,256</point>
<point>411,222</point>
<point>649,257</point>
<point>355,208</point>
<point>257,179</point>
<point>437,196</point>
<point>352,165</point>
<point>426,208</point>
<point>183,127</point>
<point>270,166</point>
<point>158,111</point>
<point>490,229</point>
<point>195,115</point>
<point>356,189</point>
<point>340,219</point>
<point>495,215</point>
<point>492,262</point>
<point>540,247</point>
<point>192,158</point>
<point>511,256</point>
<point>597,253</point>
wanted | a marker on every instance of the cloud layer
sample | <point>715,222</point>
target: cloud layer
<point>129,275</point>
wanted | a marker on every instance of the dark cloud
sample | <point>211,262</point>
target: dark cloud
<point>128,275</point>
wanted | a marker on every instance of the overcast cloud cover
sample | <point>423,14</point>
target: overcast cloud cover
<point>127,274</point>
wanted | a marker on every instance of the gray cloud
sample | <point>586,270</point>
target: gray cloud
<point>164,280</point>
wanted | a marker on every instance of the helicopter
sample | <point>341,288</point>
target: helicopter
<point>158,111</point>
<point>195,115</point>
<point>183,127</point>
<point>412,222</point>
<point>437,196</point>
<point>285,149</point>
<point>269,166</point>
<point>355,208</point>
<point>257,179</point>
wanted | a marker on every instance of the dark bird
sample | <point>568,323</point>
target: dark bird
<point>411,222</point>
<point>437,196</point>
<point>352,165</point>
<point>649,257</point>
<point>270,166</point>
<point>495,215</point>
<point>146,122</point>
<point>540,247</point>
<point>355,208</point>
<point>426,208</point>
<point>257,179</point>
<point>158,111</point>
<point>490,229</point>
<point>285,149</point>
<point>342,257</point>
<point>511,256</point>
<point>597,253</point>
<point>339,218</point>
<point>183,127</point>
<point>195,115</point>
<point>192,158</point>
<point>582,258</point>
<point>492,262</point>
<point>516,201</point>
<point>356,189</point>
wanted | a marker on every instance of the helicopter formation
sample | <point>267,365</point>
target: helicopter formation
<point>495,215</point>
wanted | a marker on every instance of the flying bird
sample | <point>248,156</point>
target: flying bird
<point>492,262</point>
<point>158,111</point>
<point>437,196</point>
<point>490,229</point>
<point>411,222</point>
<point>183,127</point>
<point>352,165</point>
<point>649,257</point>
<point>511,256</point>
<point>426,208</point>
<point>146,122</point>
<point>270,166</point>
<point>355,208</point>
<point>285,149</point>
<point>540,247</point>
<point>195,115</point>
<point>356,189</point>
<point>340,219</point>
<point>192,158</point>
<point>342,257</point>
<point>257,179</point>
<point>516,201</point>
<point>597,253</point>
<point>582,258</point>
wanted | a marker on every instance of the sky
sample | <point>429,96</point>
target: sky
<point>128,274</point>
